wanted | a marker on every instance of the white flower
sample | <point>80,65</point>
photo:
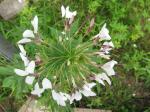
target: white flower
<point>101,77</point>
<point>29,80</point>
<point>30,33</point>
<point>67,13</point>
<point>46,84</point>
<point>24,41</point>
<point>103,34</point>
<point>37,90</point>
<point>28,70</point>
<point>59,98</point>
<point>86,91</point>
<point>108,67</point>
<point>34,23</point>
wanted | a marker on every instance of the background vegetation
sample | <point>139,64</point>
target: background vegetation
<point>129,24</point>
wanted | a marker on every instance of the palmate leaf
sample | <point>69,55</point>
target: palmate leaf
<point>5,71</point>
<point>17,85</point>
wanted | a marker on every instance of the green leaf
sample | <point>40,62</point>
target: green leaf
<point>55,33</point>
<point>6,71</point>
<point>74,27</point>
<point>10,82</point>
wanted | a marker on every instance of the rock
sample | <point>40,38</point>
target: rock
<point>9,8</point>
<point>6,48</point>
<point>31,106</point>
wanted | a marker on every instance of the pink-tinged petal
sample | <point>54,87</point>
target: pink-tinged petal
<point>34,23</point>
<point>20,72</point>
<point>103,34</point>
<point>29,80</point>
<point>46,84</point>
<point>24,59</point>
<point>28,34</point>
<point>30,68</point>
<point>24,41</point>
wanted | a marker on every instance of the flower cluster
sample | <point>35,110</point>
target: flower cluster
<point>32,77</point>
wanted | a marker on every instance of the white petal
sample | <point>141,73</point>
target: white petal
<point>29,80</point>
<point>74,13</point>
<point>70,14</point>
<point>63,11</point>
<point>103,34</point>
<point>87,93</point>
<point>108,67</point>
<point>88,86</point>
<point>105,77</point>
<point>77,96</point>
<point>54,95</point>
<point>24,59</point>
<point>37,90</point>
<point>91,85</point>
<point>28,34</point>
<point>63,96</point>
<point>46,84</point>
<point>100,81</point>
<point>20,72</point>
<point>101,77</point>
<point>22,49</point>
<point>23,41</point>
<point>58,98</point>
<point>30,68</point>
<point>34,23</point>
<point>69,97</point>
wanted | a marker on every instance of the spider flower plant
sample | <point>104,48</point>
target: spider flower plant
<point>66,66</point>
